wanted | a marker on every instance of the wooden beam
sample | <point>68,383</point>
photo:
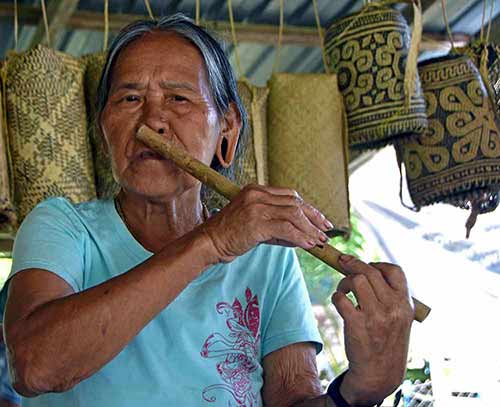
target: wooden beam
<point>261,33</point>
<point>58,14</point>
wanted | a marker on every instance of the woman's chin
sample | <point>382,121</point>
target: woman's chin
<point>161,186</point>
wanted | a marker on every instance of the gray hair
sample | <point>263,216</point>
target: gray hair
<point>221,79</point>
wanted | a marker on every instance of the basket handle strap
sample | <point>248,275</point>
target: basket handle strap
<point>320,34</point>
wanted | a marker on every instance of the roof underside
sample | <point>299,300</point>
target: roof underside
<point>257,56</point>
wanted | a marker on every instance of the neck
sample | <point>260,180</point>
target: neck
<point>156,222</point>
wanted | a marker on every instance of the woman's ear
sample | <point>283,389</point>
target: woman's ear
<point>229,136</point>
<point>102,139</point>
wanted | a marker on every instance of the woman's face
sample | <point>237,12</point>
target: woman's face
<point>159,80</point>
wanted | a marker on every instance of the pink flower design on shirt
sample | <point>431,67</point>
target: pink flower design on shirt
<point>238,351</point>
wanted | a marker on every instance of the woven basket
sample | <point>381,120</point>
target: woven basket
<point>474,52</point>
<point>8,219</point>
<point>106,186</point>
<point>457,160</point>
<point>307,142</point>
<point>368,51</point>
<point>47,128</point>
<point>251,165</point>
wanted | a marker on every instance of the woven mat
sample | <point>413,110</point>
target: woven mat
<point>47,128</point>
<point>307,142</point>
<point>8,219</point>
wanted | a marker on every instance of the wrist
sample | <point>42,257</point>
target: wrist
<point>206,248</point>
<point>346,392</point>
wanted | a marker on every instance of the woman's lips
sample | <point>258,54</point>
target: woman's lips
<point>149,155</point>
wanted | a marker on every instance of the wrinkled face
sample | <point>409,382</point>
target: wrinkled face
<point>159,80</point>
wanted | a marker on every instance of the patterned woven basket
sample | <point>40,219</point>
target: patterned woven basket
<point>47,128</point>
<point>368,51</point>
<point>457,161</point>
<point>8,218</point>
<point>106,186</point>
<point>307,142</point>
<point>474,51</point>
<point>251,165</point>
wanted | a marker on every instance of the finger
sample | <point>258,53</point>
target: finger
<point>289,197</point>
<point>285,233</point>
<point>362,290</point>
<point>277,190</point>
<point>344,306</point>
<point>393,274</point>
<point>317,218</point>
<point>296,216</point>
<point>354,266</point>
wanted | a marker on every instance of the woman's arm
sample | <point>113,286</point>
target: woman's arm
<point>57,338</point>
<point>376,335</point>
<point>291,377</point>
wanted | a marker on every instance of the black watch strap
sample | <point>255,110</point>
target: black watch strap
<point>334,391</point>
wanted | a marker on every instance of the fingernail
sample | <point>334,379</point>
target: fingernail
<point>323,238</point>
<point>311,243</point>
<point>328,225</point>
<point>345,258</point>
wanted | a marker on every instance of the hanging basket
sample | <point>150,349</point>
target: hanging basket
<point>368,51</point>
<point>457,161</point>
<point>492,64</point>
<point>106,186</point>
<point>47,129</point>
<point>8,218</point>
<point>308,143</point>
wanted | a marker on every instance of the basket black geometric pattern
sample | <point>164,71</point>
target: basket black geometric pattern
<point>368,51</point>
<point>457,160</point>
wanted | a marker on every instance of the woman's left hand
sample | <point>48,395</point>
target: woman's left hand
<point>377,331</point>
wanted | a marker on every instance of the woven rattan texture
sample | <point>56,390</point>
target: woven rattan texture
<point>8,219</point>
<point>307,142</point>
<point>47,128</point>
<point>458,158</point>
<point>106,186</point>
<point>474,51</point>
<point>368,52</point>
<point>254,152</point>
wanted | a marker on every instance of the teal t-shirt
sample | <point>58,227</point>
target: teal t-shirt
<point>205,348</point>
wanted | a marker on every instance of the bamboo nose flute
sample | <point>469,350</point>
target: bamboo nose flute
<point>229,190</point>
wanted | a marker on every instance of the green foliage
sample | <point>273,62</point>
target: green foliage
<point>322,279</point>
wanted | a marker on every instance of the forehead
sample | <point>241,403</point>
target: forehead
<point>163,53</point>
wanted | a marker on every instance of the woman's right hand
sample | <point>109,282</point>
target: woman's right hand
<point>261,214</point>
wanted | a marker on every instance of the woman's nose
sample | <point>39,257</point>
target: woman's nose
<point>156,117</point>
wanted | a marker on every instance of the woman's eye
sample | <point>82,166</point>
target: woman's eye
<point>131,98</point>
<point>179,98</point>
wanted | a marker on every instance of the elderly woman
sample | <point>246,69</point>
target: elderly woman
<point>148,300</point>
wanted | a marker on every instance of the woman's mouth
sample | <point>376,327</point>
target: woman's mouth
<point>150,155</point>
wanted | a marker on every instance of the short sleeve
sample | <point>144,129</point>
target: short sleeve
<point>51,239</point>
<point>292,319</point>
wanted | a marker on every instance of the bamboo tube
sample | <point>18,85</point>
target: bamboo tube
<point>229,190</point>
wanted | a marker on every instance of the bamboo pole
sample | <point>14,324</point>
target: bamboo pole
<point>229,190</point>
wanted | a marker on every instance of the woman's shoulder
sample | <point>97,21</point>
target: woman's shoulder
<point>62,210</point>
